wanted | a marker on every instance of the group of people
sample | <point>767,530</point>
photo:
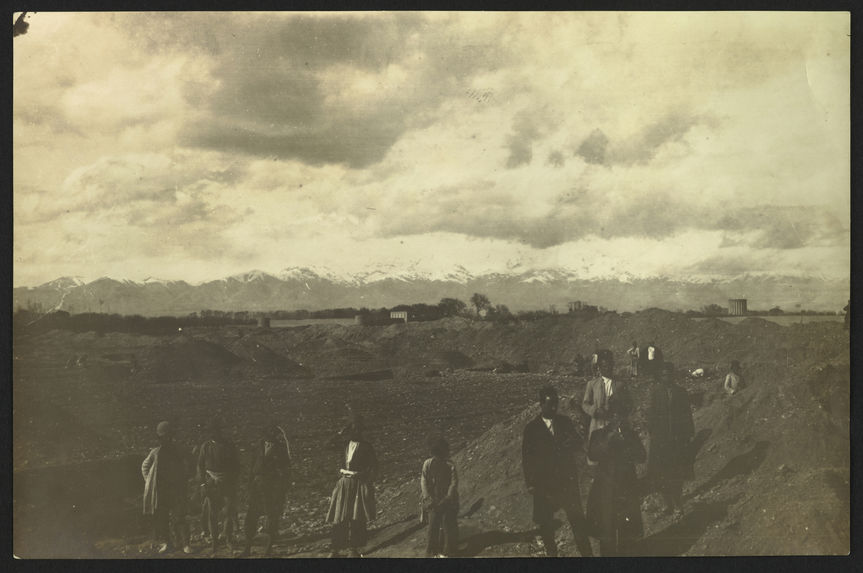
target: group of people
<point>647,360</point>
<point>551,448</point>
<point>216,469</point>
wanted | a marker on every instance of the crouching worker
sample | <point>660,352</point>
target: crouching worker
<point>269,478</point>
<point>352,504</point>
<point>439,484</point>
<point>734,379</point>
<point>165,476</point>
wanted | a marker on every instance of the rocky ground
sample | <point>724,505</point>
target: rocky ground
<point>772,471</point>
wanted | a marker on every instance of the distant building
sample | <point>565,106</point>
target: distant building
<point>399,315</point>
<point>575,306</point>
<point>737,306</point>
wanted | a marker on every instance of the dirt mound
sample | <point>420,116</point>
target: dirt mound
<point>260,360</point>
<point>772,470</point>
<point>184,358</point>
<point>434,362</point>
<point>784,429</point>
<point>495,514</point>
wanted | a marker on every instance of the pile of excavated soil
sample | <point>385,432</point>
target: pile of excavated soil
<point>772,475</point>
<point>258,359</point>
<point>772,472</point>
<point>185,358</point>
<point>555,343</point>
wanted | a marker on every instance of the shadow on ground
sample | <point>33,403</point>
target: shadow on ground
<point>699,440</point>
<point>738,465</point>
<point>679,537</point>
<point>475,544</point>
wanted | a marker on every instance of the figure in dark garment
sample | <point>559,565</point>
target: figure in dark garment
<point>669,423</point>
<point>352,504</point>
<point>550,449</point>
<point>269,479</point>
<point>166,472</point>
<point>218,473</point>
<point>439,488</point>
<point>614,502</point>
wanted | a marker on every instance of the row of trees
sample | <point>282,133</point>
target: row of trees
<point>717,310</point>
<point>33,319</point>
<point>30,322</point>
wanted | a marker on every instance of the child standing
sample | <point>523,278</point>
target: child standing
<point>439,483</point>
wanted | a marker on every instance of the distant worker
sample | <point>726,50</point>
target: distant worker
<point>352,503</point>
<point>269,478</point>
<point>594,359</point>
<point>439,489</point>
<point>634,356</point>
<point>669,423</point>
<point>218,473</point>
<point>165,473</point>
<point>654,359</point>
<point>580,365</point>
<point>734,379</point>
<point>614,502</point>
<point>597,393</point>
<point>847,310</point>
<point>550,450</point>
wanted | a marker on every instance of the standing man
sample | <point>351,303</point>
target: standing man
<point>669,422</point>
<point>549,452</point>
<point>352,503</point>
<point>165,477</point>
<point>594,358</point>
<point>614,501</point>
<point>269,479</point>
<point>598,391</point>
<point>439,487</point>
<point>634,356</point>
<point>218,472</point>
<point>654,359</point>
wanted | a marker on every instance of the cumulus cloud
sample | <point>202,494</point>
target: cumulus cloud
<point>215,137</point>
<point>485,209</point>
<point>150,191</point>
<point>528,126</point>
<point>642,147</point>
<point>593,148</point>
<point>556,159</point>
<point>785,227</point>
<point>328,90</point>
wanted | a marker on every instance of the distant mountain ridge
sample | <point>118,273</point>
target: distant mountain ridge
<point>297,288</point>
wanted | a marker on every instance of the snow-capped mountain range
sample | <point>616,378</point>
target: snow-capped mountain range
<point>316,288</point>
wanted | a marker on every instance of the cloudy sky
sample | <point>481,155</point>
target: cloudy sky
<point>195,146</point>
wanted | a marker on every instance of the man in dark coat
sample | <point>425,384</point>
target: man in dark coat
<point>218,472</point>
<point>269,477</point>
<point>550,448</point>
<point>614,502</point>
<point>165,472</point>
<point>669,422</point>
<point>653,359</point>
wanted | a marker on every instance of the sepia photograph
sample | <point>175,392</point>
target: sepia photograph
<point>408,284</point>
